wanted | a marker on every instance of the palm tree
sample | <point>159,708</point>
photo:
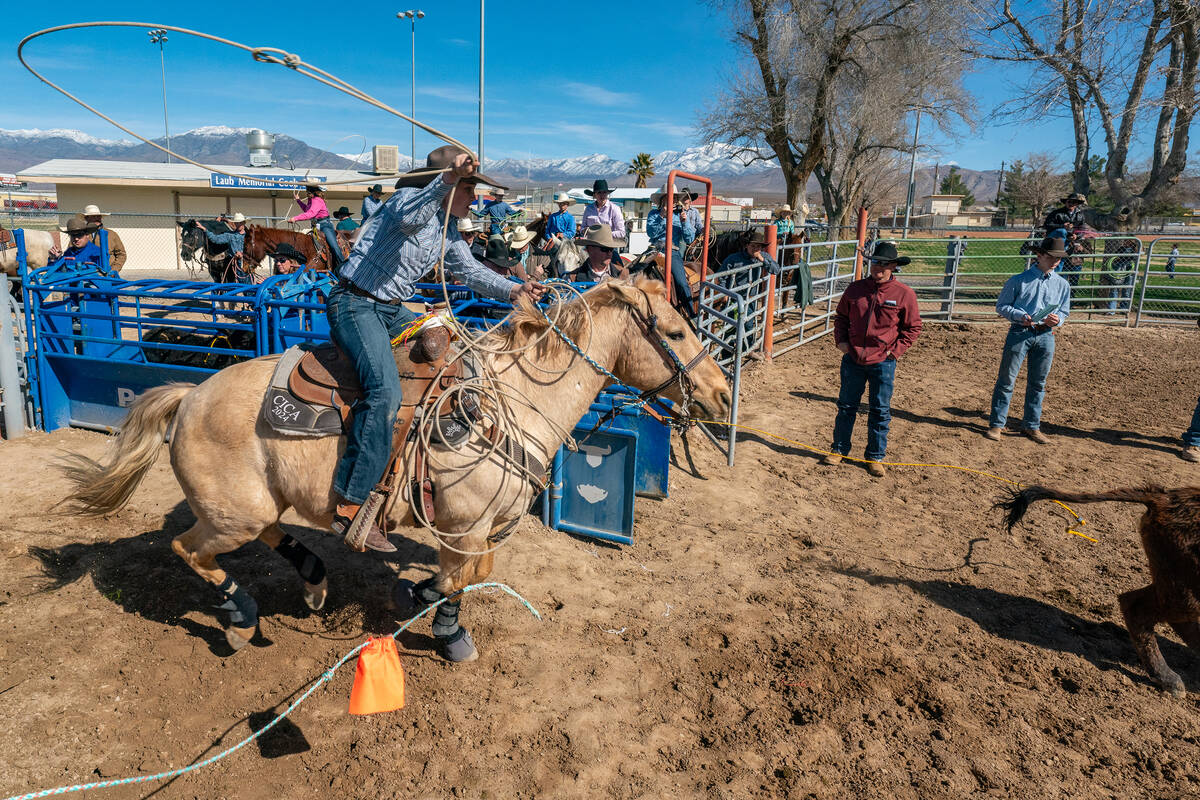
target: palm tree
<point>642,166</point>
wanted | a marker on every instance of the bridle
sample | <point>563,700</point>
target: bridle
<point>681,373</point>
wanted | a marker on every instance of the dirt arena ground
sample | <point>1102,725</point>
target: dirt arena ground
<point>780,629</point>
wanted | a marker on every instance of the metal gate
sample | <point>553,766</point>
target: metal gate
<point>831,267</point>
<point>1170,283</point>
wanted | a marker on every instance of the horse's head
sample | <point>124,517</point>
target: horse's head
<point>660,351</point>
<point>191,239</point>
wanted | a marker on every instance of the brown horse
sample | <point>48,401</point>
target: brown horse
<point>262,242</point>
<point>240,476</point>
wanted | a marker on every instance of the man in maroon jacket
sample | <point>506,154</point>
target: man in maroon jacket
<point>876,321</point>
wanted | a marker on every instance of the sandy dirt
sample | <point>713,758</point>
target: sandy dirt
<point>779,629</point>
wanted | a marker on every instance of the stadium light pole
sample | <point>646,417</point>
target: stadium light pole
<point>413,16</point>
<point>912,173</point>
<point>158,36</point>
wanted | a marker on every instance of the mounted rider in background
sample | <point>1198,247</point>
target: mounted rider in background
<point>313,207</point>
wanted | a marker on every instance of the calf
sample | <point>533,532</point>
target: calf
<point>1170,533</point>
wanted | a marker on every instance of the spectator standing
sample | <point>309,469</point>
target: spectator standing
<point>1171,261</point>
<point>877,320</point>
<point>755,256</point>
<point>497,211</point>
<point>1036,302</point>
<point>682,233</point>
<point>371,202</point>
<point>116,248</point>
<point>235,238</point>
<point>344,221</point>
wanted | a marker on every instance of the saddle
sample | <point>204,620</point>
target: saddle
<point>313,391</point>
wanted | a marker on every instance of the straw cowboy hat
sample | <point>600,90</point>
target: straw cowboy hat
<point>237,218</point>
<point>470,226</point>
<point>441,158</point>
<point>314,187</point>
<point>885,252</point>
<point>1051,246</point>
<point>285,250</point>
<point>783,209</point>
<point>77,225</point>
<point>499,253</point>
<point>600,185</point>
<point>521,236</point>
<point>661,193</point>
<point>563,197</point>
<point>91,210</point>
<point>499,192</point>
<point>599,235</point>
<point>1075,197</point>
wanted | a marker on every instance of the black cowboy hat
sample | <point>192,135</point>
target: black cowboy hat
<point>441,158</point>
<point>1075,197</point>
<point>885,252</point>
<point>499,253</point>
<point>342,213</point>
<point>1051,246</point>
<point>285,250</point>
<point>690,192</point>
<point>600,185</point>
<point>376,189</point>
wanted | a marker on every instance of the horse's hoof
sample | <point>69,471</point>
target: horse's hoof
<point>238,637</point>
<point>315,594</point>
<point>460,649</point>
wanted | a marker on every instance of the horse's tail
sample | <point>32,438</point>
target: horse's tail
<point>104,488</point>
<point>1018,502</point>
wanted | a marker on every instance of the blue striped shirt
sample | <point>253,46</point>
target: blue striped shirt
<point>401,241</point>
<point>1030,291</point>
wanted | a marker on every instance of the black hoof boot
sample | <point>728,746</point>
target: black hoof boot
<point>459,648</point>
<point>410,599</point>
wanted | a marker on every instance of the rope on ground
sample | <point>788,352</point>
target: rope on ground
<point>325,676</point>
<point>970,470</point>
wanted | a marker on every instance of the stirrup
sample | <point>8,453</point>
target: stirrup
<point>360,526</point>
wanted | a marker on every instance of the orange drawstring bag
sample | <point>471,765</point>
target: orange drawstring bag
<point>379,679</point>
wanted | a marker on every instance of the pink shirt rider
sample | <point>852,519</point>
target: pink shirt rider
<point>314,208</point>
<point>610,215</point>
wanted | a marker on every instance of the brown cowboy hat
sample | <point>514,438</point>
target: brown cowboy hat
<point>441,158</point>
<point>1051,246</point>
<point>599,235</point>
<point>77,224</point>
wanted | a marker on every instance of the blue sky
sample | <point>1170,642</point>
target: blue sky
<point>562,80</point>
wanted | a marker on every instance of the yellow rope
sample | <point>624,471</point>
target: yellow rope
<point>810,448</point>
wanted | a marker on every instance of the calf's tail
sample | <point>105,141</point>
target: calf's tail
<point>1018,502</point>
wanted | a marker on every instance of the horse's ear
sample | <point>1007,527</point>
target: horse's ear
<point>627,293</point>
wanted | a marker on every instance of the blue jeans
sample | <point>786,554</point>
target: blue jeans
<point>679,282</point>
<point>1039,347</point>
<point>855,378</point>
<point>364,329</point>
<point>1191,437</point>
<point>1123,294</point>
<point>325,226</point>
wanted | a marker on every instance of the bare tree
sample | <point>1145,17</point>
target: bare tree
<point>828,83</point>
<point>1128,65</point>
<point>1035,183</point>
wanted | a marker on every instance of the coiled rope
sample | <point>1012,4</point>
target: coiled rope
<point>317,683</point>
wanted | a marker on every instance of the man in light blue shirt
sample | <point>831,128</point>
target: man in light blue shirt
<point>1036,302</point>
<point>399,243</point>
<point>682,234</point>
<point>372,202</point>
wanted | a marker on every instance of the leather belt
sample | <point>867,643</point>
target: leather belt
<point>356,290</point>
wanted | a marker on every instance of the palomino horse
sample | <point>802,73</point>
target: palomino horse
<point>239,475</point>
<point>37,250</point>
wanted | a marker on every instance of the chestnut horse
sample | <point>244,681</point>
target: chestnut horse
<point>261,242</point>
<point>240,476</point>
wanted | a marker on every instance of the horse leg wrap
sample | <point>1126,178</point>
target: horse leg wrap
<point>306,562</point>
<point>242,608</point>
<point>426,592</point>
<point>445,620</point>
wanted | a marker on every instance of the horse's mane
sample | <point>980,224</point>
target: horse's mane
<point>571,317</point>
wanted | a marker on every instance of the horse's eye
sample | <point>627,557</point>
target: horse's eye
<point>676,335</point>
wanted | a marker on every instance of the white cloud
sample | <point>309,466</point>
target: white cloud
<point>598,95</point>
<point>669,128</point>
<point>459,42</point>
<point>455,94</point>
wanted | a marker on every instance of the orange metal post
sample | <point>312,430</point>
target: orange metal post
<point>769,322</point>
<point>862,242</point>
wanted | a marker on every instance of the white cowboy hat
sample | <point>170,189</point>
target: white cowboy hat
<point>237,217</point>
<point>661,193</point>
<point>599,235</point>
<point>563,197</point>
<point>499,192</point>
<point>520,237</point>
<point>91,210</point>
<point>469,226</point>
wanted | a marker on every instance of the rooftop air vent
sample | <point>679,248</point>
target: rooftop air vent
<point>261,144</point>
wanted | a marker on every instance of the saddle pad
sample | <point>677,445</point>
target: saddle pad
<point>286,413</point>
